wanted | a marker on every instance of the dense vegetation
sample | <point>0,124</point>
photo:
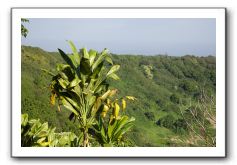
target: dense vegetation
<point>174,95</point>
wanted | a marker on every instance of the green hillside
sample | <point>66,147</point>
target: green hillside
<point>164,86</point>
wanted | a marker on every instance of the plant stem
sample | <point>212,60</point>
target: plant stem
<point>85,140</point>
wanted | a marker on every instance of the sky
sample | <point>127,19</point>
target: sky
<point>142,36</point>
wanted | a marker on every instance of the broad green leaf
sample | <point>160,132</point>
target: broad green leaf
<point>91,100</point>
<point>120,126</point>
<point>73,59</point>
<point>75,53</point>
<point>63,75</point>
<point>51,134</point>
<point>24,119</point>
<point>61,67</point>
<point>85,67</point>
<point>66,58</point>
<point>97,71</point>
<point>72,102</point>
<point>74,82</point>
<point>114,76</point>
<point>113,69</point>
<point>123,130</point>
<point>85,53</point>
<point>109,59</point>
<point>92,54</point>
<point>105,52</point>
<point>67,105</point>
<point>63,83</point>
<point>100,59</point>
<point>42,130</point>
<point>111,129</point>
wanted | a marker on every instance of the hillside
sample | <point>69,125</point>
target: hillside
<point>161,84</point>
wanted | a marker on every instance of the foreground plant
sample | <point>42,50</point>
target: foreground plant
<point>36,134</point>
<point>81,87</point>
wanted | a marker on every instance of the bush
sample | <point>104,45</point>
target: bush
<point>174,98</point>
<point>150,115</point>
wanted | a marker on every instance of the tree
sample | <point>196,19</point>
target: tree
<point>24,31</point>
<point>81,87</point>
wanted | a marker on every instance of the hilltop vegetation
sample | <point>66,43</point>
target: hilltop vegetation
<point>166,89</point>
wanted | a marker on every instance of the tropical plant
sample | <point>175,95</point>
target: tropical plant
<point>109,130</point>
<point>36,134</point>
<point>81,87</point>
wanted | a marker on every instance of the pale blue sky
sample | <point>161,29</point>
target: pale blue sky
<point>172,36</point>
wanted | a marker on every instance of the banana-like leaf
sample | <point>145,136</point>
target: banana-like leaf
<point>42,130</point>
<point>61,67</point>
<point>91,84</point>
<point>66,58</point>
<point>100,59</point>
<point>114,76</point>
<point>101,131</point>
<point>63,75</point>
<point>72,101</point>
<point>63,83</point>
<point>73,59</point>
<point>122,126</point>
<point>91,100</point>
<point>84,53</point>
<point>85,66</point>
<point>109,59</point>
<point>67,105</point>
<point>113,69</point>
<point>97,71</point>
<point>24,119</point>
<point>92,54</point>
<point>75,53</point>
<point>74,82</point>
<point>123,130</point>
<point>51,135</point>
<point>111,129</point>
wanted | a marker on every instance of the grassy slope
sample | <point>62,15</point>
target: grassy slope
<point>170,75</point>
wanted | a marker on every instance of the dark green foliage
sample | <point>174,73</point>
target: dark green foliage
<point>24,30</point>
<point>150,115</point>
<point>174,78</point>
<point>175,98</point>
